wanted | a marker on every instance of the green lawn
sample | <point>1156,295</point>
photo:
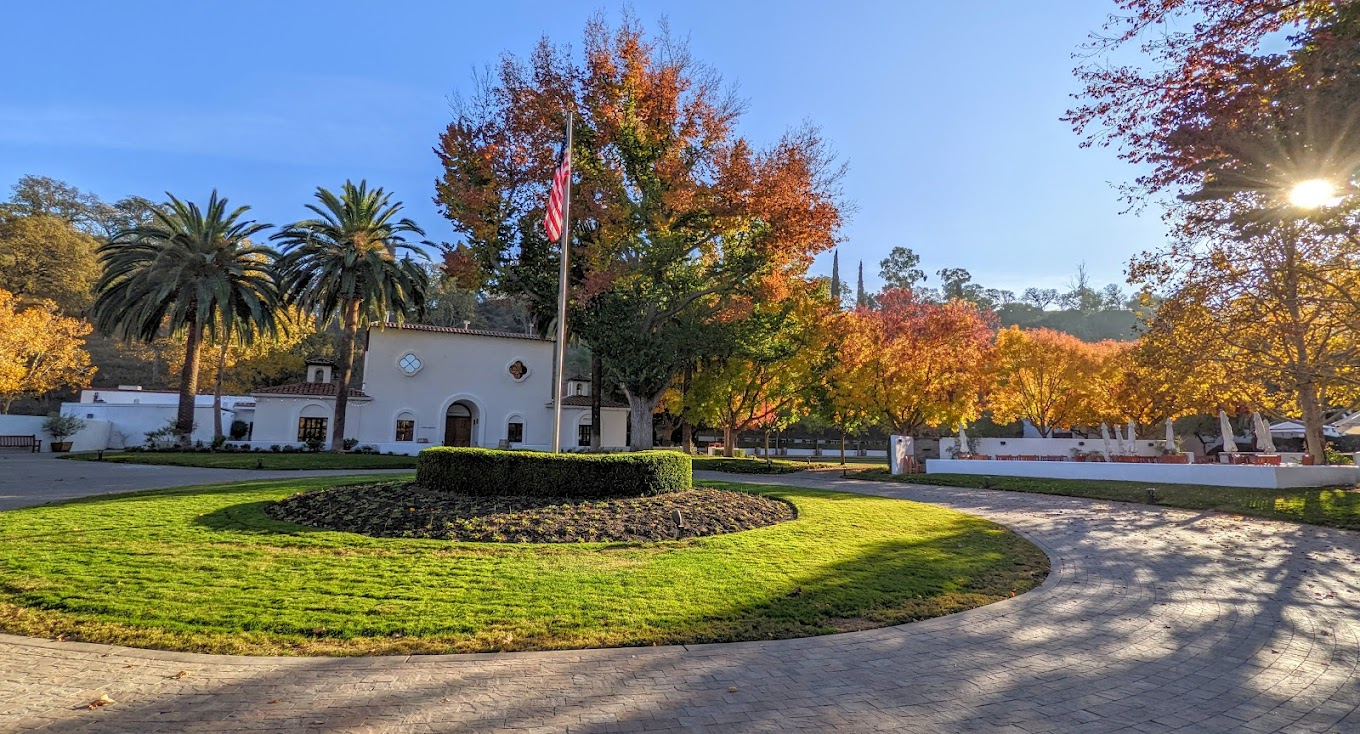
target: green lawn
<point>204,569</point>
<point>1333,507</point>
<point>262,460</point>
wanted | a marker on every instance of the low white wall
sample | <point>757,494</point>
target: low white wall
<point>1051,446</point>
<point>1217,475</point>
<point>828,450</point>
<point>93,437</point>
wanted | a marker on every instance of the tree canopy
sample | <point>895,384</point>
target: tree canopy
<point>676,221</point>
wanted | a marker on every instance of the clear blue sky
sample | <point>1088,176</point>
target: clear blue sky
<point>947,113</point>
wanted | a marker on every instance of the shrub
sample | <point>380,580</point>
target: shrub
<point>489,472</point>
<point>219,441</point>
<point>61,427</point>
<point>314,444</point>
<point>350,443</point>
<point>239,429</point>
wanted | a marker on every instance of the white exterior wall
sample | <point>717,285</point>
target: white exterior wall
<point>1051,446</point>
<point>276,418</point>
<point>93,437</point>
<point>129,423</point>
<point>474,370</point>
<point>1217,475</point>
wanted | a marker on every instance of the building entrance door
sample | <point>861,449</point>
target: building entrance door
<point>458,430</point>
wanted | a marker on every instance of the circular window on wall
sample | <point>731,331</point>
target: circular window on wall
<point>518,370</point>
<point>409,364</point>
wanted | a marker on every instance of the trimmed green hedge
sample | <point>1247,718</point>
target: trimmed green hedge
<point>489,472</point>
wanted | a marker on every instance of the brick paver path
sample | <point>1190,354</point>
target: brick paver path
<point>1151,621</point>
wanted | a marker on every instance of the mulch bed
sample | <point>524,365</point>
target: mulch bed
<point>401,510</point>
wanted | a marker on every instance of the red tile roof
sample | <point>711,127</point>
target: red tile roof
<point>584,401</point>
<point>455,330</point>
<point>319,389</point>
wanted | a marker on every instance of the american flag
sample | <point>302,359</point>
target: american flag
<point>552,220</point>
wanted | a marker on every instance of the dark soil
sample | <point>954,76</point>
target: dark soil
<point>400,510</point>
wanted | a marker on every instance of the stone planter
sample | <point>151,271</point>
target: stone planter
<point>60,447</point>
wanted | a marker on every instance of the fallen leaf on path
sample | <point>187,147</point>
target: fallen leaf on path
<point>103,700</point>
<point>180,675</point>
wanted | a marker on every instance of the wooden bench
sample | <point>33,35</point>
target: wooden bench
<point>21,442</point>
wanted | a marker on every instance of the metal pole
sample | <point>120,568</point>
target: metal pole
<point>561,362</point>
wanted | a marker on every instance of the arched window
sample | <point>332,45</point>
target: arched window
<point>406,427</point>
<point>319,375</point>
<point>514,430</point>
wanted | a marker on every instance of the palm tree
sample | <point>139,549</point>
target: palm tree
<point>344,264</point>
<point>192,271</point>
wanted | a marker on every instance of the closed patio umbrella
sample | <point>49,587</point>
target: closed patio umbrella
<point>963,441</point>
<point>1105,436</point>
<point>1225,428</point>
<point>1170,436</point>
<point>1264,441</point>
<point>1132,438</point>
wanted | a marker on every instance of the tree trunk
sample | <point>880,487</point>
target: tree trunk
<point>1315,441</point>
<point>217,390</point>
<point>188,386</point>
<point>729,438</point>
<point>596,386</point>
<point>687,436</point>
<point>842,446</point>
<point>640,411</point>
<point>347,339</point>
<point>768,458</point>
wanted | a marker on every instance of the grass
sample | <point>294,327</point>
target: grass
<point>1337,507</point>
<point>205,569</point>
<point>257,460</point>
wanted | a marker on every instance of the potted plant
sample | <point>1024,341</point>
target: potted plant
<point>61,427</point>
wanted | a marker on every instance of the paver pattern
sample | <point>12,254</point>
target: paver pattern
<point>1152,620</point>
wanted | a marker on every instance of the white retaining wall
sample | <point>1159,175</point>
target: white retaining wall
<point>93,437</point>
<point>1217,475</point>
<point>1051,446</point>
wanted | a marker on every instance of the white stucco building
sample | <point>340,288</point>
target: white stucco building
<point>439,386</point>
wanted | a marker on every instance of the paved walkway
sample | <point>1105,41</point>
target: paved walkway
<point>1151,621</point>
<point>34,479</point>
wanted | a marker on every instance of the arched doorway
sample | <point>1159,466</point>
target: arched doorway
<point>458,424</point>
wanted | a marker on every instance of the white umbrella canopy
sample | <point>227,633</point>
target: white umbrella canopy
<point>1105,436</point>
<point>1264,441</point>
<point>1170,436</point>
<point>1225,428</point>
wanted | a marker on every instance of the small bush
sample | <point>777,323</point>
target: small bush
<point>350,443</point>
<point>239,429</point>
<point>488,472</point>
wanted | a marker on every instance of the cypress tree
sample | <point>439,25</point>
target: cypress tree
<point>836,278</point>
<point>861,298</point>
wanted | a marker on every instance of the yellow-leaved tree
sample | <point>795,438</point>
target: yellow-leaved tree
<point>40,350</point>
<point>1046,377</point>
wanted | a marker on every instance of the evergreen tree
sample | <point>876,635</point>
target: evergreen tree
<point>861,298</point>
<point>836,278</point>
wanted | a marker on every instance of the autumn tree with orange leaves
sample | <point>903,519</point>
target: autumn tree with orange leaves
<point>676,221</point>
<point>912,364</point>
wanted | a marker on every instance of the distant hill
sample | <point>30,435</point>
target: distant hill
<point>1088,326</point>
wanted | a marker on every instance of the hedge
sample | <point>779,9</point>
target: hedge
<point>490,472</point>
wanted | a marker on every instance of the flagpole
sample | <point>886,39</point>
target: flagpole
<point>561,362</point>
